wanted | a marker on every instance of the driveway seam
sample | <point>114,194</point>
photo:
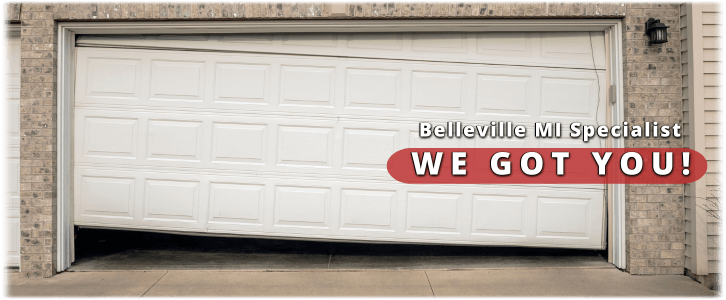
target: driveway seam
<point>147,290</point>
<point>430,286</point>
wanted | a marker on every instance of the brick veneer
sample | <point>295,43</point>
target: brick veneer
<point>654,213</point>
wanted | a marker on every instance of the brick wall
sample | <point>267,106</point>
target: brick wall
<point>652,87</point>
<point>654,224</point>
<point>37,139</point>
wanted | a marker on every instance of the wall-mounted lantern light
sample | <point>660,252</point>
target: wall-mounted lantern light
<point>656,31</point>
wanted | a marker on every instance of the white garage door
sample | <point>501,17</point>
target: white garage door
<point>288,135</point>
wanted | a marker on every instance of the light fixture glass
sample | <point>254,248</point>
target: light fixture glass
<point>656,31</point>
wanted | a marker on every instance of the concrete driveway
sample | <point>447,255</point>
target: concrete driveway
<point>486,282</point>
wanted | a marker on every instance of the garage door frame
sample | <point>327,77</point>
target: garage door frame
<point>66,76</point>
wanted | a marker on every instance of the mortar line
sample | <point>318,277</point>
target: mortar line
<point>430,286</point>
<point>162,276</point>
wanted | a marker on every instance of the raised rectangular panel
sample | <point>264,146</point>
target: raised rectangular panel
<point>174,140</point>
<point>566,45</point>
<point>110,137</point>
<point>378,89</point>
<point>107,197</point>
<point>114,78</point>
<point>568,97</point>
<point>367,210</point>
<point>171,200</point>
<point>239,143</point>
<point>439,42</point>
<point>307,86</point>
<point>247,38</point>
<point>236,203</point>
<point>368,148</point>
<point>301,206</point>
<point>498,215</point>
<point>311,39</point>
<point>504,43</point>
<point>389,41</point>
<point>563,217</point>
<point>433,142</point>
<point>441,92</point>
<point>502,94</point>
<point>305,146</point>
<point>433,212</point>
<point>241,83</point>
<point>177,81</point>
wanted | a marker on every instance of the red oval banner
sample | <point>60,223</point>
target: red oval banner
<point>547,165</point>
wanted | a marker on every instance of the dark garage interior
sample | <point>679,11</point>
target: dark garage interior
<point>106,249</point>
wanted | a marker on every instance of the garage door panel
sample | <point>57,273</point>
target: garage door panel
<point>350,209</point>
<point>307,86</point>
<point>503,44</point>
<point>434,213</point>
<point>177,80</point>
<point>238,204</point>
<point>140,199</point>
<point>440,42</point>
<point>373,89</point>
<point>572,95</point>
<point>111,137</point>
<point>242,83</point>
<point>114,78</point>
<point>500,215</point>
<point>569,49</point>
<point>368,210</point>
<point>506,95</point>
<point>577,46</point>
<point>373,41</point>
<point>302,207</point>
<point>242,143</point>
<point>366,89</point>
<point>577,209</point>
<point>295,145</point>
<point>173,200</point>
<point>369,149</point>
<point>218,142</point>
<point>552,210</point>
<point>272,145</point>
<point>308,146</point>
<point>174,140</point>
<point>439,92</point>
<point>106,196</point>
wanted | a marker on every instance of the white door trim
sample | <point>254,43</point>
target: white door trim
<point>66,76</point>
<point>12,208</point>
